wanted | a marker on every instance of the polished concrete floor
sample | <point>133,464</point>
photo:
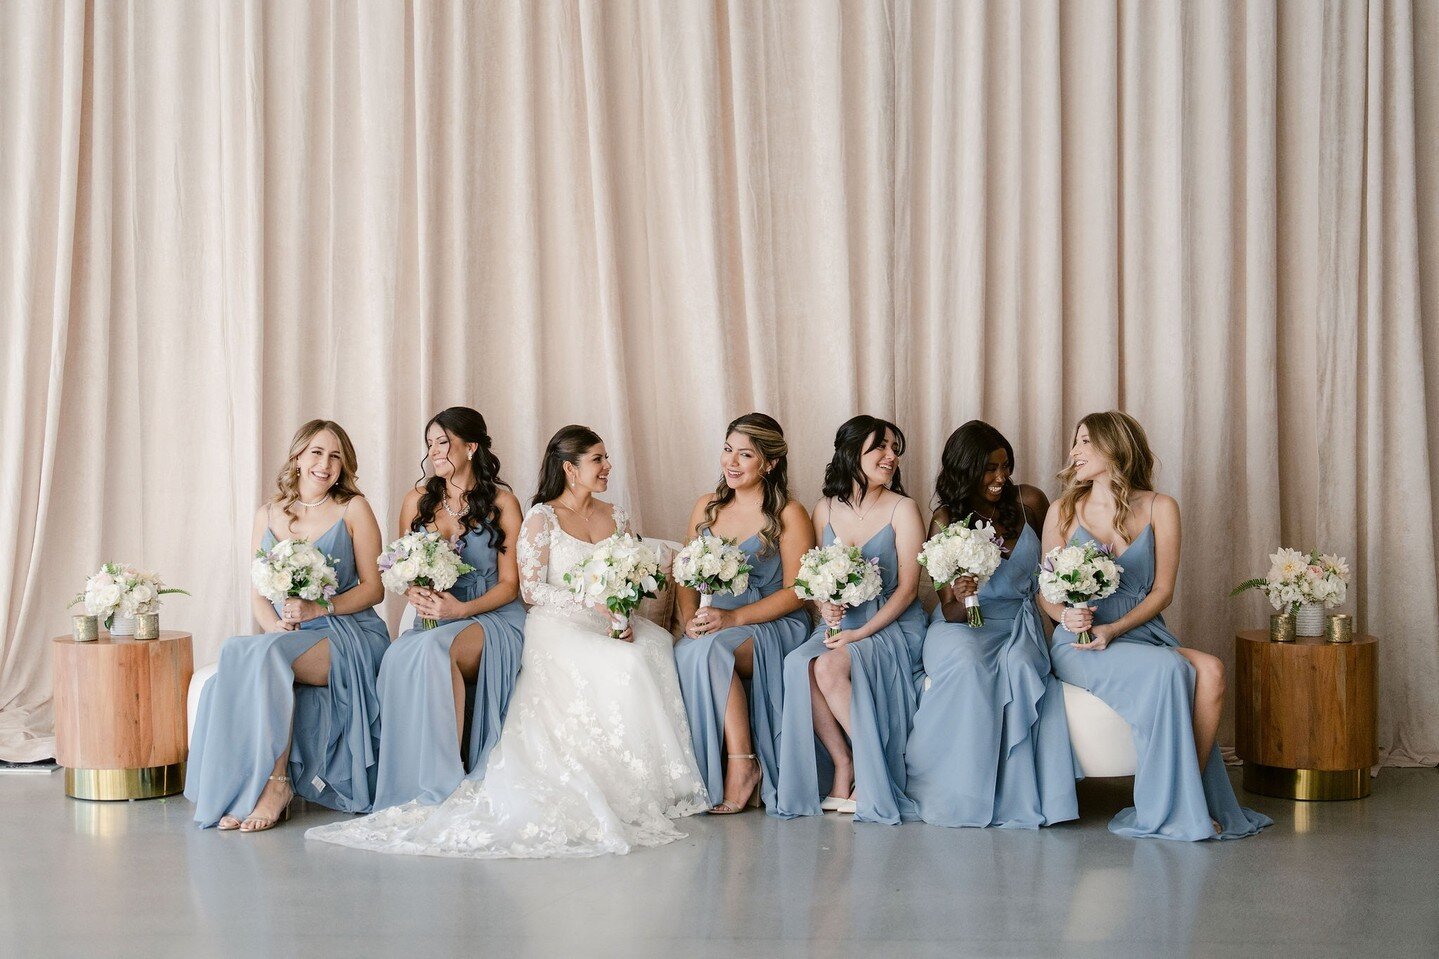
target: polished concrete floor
<point>137,879</point>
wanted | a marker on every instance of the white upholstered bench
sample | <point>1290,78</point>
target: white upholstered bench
<point>1103,742</point>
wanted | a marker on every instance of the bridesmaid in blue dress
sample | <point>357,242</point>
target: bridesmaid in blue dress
<point>293,711</point>
<point>1171,696</point>
<point>427,673</point>
<point>990,745</point>
<point>856,692</point>
<point>731,658</point>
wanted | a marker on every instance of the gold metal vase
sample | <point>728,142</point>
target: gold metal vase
<point>1281,628</point>
<point>84,628</point>
<point>147,626</point>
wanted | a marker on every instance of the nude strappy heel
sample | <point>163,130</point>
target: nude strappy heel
<point>727,808</point>
<point>262,822</point>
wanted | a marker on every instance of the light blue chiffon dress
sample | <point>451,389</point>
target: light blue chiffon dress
<point>247,712</point>
<point>420,754</point>
<point>884,671</point>
<point>1141,677</point>
<point>706,666</point>
<point>990,744</point>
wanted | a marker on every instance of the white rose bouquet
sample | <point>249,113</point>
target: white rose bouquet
<point>421,558</point>
<point>1297,578</point>
<point>711,564</point>
<point>963,549</point>
<point>620,572</point>
<point>838,574</point>
<point>120,589</point>
<point>294,567</point>
<point>1078,576</point>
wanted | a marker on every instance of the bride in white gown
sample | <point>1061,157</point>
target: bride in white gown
<point>595,753</point>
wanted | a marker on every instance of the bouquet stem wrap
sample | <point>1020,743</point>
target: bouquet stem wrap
<point>976,617</point>
<point>1085,637</point>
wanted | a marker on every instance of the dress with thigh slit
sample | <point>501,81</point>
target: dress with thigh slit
<point>884,674</point>
<point>420,751</point>
<point>247,711</point>
<point>1141,676</point>
<point>706,667</point>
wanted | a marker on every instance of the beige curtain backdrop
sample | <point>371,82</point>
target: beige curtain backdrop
<point>218,220</point>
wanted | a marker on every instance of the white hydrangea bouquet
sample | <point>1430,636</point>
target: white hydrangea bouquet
<point>838,574</point>
<point>712,565</point>
<point>121,589</point>
<point>964,548</point>
<point>294,567</point>
<point>1079,575</point>
<point>620,572</point>
<point>1296,579</point>
<point>421,558</point>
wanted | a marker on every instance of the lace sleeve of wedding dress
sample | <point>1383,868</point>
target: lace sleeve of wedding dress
<point>536,534</point>
<point>622,520</point>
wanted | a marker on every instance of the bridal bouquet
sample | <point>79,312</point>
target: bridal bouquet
<point>619,573</point>
<point>1296,579</point>
<point>1079,575</point>
<point>294,567</point>
<point>962,549</point>
<point>119,589</point>
<point>711,564</point>
<point>837,574</point>
<point>422,558</point>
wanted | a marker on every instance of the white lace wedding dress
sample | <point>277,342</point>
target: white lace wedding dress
<point>595,753</point>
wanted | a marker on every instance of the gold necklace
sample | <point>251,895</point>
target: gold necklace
<point>585,515</point>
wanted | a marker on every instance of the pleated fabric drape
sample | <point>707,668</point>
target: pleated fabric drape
<point>652,215</point>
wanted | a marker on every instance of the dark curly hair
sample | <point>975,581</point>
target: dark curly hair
<point>961,474</point>
<point>482,511</point>
<point>844,473</point>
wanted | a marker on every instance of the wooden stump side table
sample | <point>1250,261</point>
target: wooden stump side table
<point>1306,715</point>
<point>120,715</point>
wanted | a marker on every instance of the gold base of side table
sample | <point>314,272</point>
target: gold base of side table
<point>152,782</point>
<point>1306,784</point>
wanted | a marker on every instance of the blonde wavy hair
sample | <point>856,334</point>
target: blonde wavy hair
<point>287,481</point>
<point>1121,440</point>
